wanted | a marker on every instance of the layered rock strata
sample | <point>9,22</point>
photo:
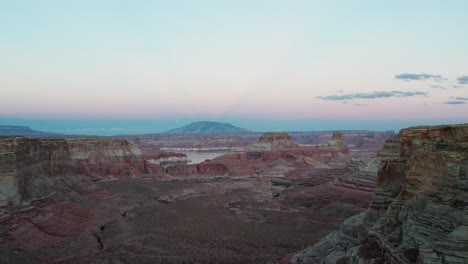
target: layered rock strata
<point>354,139</point>
<point>97,157</point>
<point>273,155</point>
<point>43,201</point>
<point>419,213</point>
<point>23,161</point>
<point>30,167</point>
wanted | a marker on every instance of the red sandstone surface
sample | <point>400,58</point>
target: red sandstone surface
<point>419,210</point>
<point>253,205</point>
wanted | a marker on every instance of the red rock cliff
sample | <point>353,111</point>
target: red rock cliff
<point>98,157</point>
<point>420,208</point>
<point>25,160</point>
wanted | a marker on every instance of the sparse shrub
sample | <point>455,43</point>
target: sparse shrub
<point>284,184</point>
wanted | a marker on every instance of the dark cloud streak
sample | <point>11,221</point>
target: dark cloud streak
<point>417,77</point>
<point>371,95</point>
<point>455,102</point>
<point>462,79</point>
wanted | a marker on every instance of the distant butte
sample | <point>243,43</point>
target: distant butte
<point>208,128</point>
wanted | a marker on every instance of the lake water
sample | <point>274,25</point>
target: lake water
<point>199,156</point>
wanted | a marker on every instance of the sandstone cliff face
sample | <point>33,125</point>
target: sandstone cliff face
<point>43,201</point>
<point>24,161</point>
<point>338,141</point>
<point>98,157</point>
<point>275,141</point>
<point>28,166</point>
<point>420,208</point>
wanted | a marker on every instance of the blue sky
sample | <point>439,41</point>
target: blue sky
<point>112,67</point>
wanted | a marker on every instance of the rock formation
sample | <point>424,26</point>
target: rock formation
<point>197,142</point>
<point>419,213</point>
<point>65,216</point>
<point>98,157</point>
<point>28,165</point>
<point>274,141</point>
<point>43,202</point>
<point>337,140</point>
<point>23,164</point>
<point>273,155</point>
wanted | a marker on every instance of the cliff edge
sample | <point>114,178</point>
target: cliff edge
<point>419,213</point>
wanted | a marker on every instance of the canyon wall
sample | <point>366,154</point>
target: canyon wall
<point>419,213</point>
<point>24,161</point>
<point>28,166</point>
<point>98,157</point>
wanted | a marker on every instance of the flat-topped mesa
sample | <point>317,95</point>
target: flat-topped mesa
<point>419,211</point>
<point>98,157</point>
<point>275,141</point>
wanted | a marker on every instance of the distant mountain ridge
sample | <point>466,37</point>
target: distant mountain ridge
<point>207,128</point>
<point>6,130</point>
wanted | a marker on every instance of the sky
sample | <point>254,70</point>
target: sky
<point>128,67</point>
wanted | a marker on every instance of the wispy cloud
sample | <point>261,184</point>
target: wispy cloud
<point>438,87</point>
<point>463,79</point>
<point>419,76</point>
<point>359,104</point>
<point>371,95</point>
<point>461,98</point>
<point>456,86</point>
<point>455,102</point>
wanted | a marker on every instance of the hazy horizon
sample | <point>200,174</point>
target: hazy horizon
<point>135,127</point>
<point>112,67</point>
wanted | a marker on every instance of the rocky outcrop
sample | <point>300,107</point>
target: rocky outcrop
<point>275,141</point>
<point>354,139</point>
<point>98,157</point>
<point>337,141</point>
<point>28,165</point>
<point>163,158</point>
<point>273,155</point>
<point>44,203</point>
<point>25,161</point>
<point>419,213</point>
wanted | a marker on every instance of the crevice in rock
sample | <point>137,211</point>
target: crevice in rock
<point>99,240</point>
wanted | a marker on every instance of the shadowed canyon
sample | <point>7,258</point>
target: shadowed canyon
<point>233,132</point>
<point>318,197</point>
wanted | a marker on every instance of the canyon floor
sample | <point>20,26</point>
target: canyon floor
<point>106,201</point>
<point>220,220</point>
